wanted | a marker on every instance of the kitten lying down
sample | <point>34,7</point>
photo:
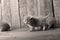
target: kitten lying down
<point>4,26</point>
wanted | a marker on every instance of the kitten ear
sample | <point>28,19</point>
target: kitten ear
<point>26,17</point>
<point>30,16</point>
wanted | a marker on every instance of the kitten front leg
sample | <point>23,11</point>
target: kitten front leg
<point>31,28</point>
<point>44,28</point>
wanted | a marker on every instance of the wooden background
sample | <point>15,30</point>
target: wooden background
<point>14,11</point>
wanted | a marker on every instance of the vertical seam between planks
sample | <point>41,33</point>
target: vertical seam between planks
<point>19,13</point>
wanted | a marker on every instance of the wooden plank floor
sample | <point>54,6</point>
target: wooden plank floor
<point>20,34</point>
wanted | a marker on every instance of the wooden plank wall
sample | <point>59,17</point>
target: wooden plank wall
<point>32,7</point>
<point>45,7</point>
<point>0,10</point>
<point>10,12</point>
<point>57,11</point>
<point>14,11</point>
<point>23,10</point>
<point>15,20</point>
<point>5,5</point>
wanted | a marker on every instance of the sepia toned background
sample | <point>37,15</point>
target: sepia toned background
<point>14,11</point>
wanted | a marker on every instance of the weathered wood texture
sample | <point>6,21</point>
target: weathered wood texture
<point>14,11</point>
<point>32,7</point>
<point>23,10</point>
<point>0,11</point>
<point>45,7</point>
<point>57,10</point>
<point>10,13</point>
<point>6,11</point>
